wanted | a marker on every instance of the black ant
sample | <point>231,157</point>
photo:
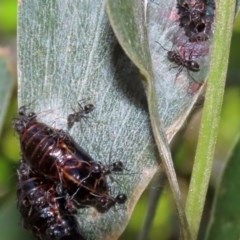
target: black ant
<point>79,114</point>
<point>181,61</point>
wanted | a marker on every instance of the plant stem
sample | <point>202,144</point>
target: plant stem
<point>211,114</point>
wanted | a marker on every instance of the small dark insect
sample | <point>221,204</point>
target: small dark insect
<point>196,17</point>
<point>181,61</point>
<point>102,202</point>
<point>79,114</point>
<point>21,122</point>
<point>44,211</point>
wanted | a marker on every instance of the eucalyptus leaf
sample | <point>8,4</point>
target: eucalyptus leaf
<point>147,31</point>
<point>6,81</point>
<point>68,52</point>
<point>154,21</point>
<point>225,216</point>
<point>128,21</point>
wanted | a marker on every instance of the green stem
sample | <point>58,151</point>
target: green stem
<point>211,114</point>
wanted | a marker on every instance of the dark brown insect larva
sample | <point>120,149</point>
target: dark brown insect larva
<point>46,213</point>
<point>55,155</point>
<point>55,176</point>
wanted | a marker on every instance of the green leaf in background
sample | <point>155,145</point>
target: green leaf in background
<point>11,226</point>
<point>68,52</point>
<point>225,217</point>
<point>8,10</point>
<point>6,83</point>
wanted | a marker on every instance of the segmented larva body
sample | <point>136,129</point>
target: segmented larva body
<point>55,155</point>
<point>46,213</point>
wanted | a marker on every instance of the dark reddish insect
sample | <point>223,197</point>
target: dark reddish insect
<point>181,61</point>
<point>79,114</point>
<point>55,155</point>
<point>46,213</point>
<point>55,177</point>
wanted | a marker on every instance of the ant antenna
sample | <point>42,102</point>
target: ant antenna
<point>162,46</point>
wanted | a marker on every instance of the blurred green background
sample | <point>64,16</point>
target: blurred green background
<point>164,223</point>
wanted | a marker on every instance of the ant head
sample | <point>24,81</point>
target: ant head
<point>171,55</point>
<point>23,119</point>
<point>117,166</point>
<point>121,198</point>
<point>88,108</point>
<point>22,111</point>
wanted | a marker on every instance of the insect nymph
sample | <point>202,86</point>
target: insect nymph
<point>55,154</point>
<point>56,176</point>
<point>45,212</point>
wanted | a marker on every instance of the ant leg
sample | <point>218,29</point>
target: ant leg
<point>161,46</point>
<point>179,71</point>
<point>176,66</point>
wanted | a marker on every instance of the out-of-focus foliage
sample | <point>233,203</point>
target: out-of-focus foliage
<point>9,150</point>
<point>8,17</point>
<point>225,221</point>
